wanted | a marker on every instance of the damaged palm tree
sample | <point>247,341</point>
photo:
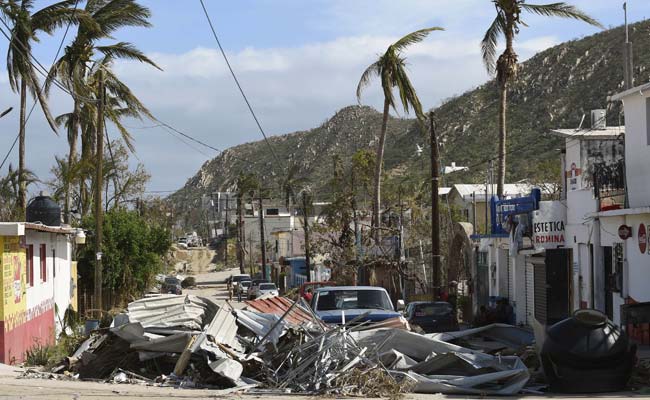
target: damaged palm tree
<point>391,69</point>
<point>506,25</point>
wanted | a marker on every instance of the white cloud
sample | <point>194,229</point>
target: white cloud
<point>291,88</point>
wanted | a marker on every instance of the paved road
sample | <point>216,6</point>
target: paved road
<point>213,285</point>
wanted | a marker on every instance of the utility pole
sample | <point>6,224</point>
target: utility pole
<point>262,244</point>
<point>226,231</point>
<point>98,191</point>
<point>240,233</point>
<point>435,211</point>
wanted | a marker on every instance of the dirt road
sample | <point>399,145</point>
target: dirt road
<point>212,285</point>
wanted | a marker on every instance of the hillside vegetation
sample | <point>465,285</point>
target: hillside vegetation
<point>553,90</point>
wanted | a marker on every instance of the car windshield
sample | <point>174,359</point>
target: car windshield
<point>172,281</point>
<point>238,278</point>
<point>267,286</point>
<point>350,299</point>
<point>429,310</point>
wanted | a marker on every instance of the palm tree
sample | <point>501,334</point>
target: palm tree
<point>73,68</point>
<point>506,25</point>
<point>391,68</point>
<point>304,198</point>
<point>22,74</point>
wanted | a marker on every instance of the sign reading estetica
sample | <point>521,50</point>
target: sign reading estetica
<point>548,225</point>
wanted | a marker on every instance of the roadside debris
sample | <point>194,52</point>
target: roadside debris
<point>279,345</point>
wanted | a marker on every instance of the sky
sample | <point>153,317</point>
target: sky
<point>299,61</point>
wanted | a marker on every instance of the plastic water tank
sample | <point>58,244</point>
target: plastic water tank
<point>587,353</point>
<point>45,210</point>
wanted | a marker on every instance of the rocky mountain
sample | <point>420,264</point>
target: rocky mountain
<point>554,89</point>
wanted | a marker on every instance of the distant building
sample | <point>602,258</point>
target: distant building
<point>463,196</point>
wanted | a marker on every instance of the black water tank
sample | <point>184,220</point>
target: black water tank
<point>45,210</point>
<point>587,353</point>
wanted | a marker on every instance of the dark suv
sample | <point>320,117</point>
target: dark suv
<point>432,316</point>
<point>172,285</point>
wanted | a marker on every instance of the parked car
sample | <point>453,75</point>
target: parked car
<point>258,281</point>
<point>263,289</point>
<point>235,279</point>
<point>172,285</point>
<point>182,243</point>
<point>329,303</point>
<point>432,316</point>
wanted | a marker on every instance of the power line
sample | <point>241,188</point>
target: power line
<point>58,50</point>
<point>166,125</point>
<point>39,67</point>
<point>232,72</point>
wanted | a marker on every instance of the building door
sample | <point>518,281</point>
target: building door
<point>482,279</point>
<point>609,272</point>
<point>557,284</point>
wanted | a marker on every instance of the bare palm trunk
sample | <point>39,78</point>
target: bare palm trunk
<point>22,185</point>
<point>507,71</point>
<point>72,155</point>
<point>305,227</point>
<point>503,91</point>
<point>376,203</point>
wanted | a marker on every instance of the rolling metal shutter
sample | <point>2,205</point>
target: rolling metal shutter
<point>530,292</point>
<point>541,304</point>
<point>511,283</point>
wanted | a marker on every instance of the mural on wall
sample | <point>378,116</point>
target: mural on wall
<point>14,285</point>
<point>604,159</point>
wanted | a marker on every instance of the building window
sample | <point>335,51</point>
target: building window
<point>54,263</point>
<point>466,215</point>
<point>30,265</point>
<point>43,259</point>
<point>272,211</point>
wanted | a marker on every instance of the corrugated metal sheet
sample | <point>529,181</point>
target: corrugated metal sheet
<point>278,306</point>
<point>186,312</point>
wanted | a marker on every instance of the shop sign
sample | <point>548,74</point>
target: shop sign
<point>549,225</point>
<point>643,239</point>
<point>625,232</point>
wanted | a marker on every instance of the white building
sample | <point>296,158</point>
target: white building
<point>38,285</point>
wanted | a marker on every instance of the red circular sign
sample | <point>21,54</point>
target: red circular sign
<point>624,232</point>
<point>643,240</point>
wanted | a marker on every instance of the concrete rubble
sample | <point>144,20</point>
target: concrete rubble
<point>281,346</point>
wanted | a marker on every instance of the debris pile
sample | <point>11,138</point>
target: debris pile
<point>280,345</point>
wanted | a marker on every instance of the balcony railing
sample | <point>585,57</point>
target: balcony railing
<point>609,185</point>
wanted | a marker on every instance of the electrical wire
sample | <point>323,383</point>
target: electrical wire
<point>58,50</point>
<point>232,72</point>
<point>38,66</point>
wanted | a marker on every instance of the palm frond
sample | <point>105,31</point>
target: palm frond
<point>561,10</point>
<point>413,37</point>
<point>490,41</point>
<point>127,51</point>
<point>372,70</point>
<point>42,100</point>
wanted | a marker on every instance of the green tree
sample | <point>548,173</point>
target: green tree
<point>27,24</point>
<point>506,25</point>
<point>391,69</point>
<point>9,193</point>
<point>77,69</point>
<point>132,255</point>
